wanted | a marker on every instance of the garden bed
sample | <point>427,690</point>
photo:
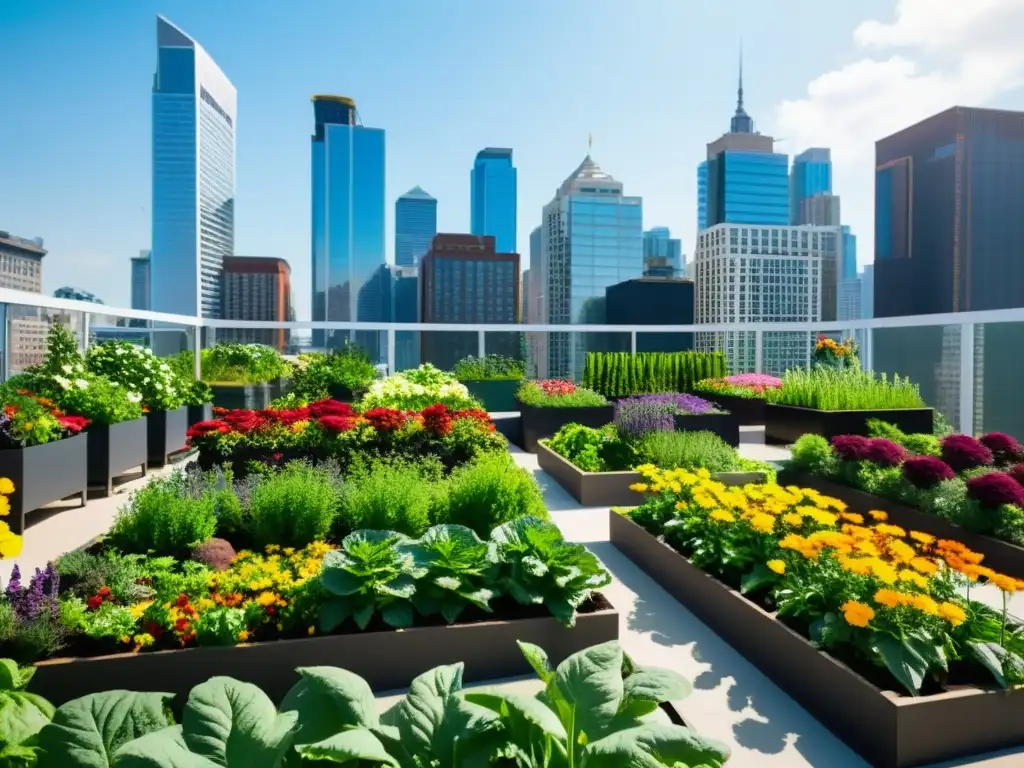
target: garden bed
<point>114,449</point>
<point>725,425</point>
<point>165,434</point>
<point>42,474</point>
<point>387,659</point>
<point>748,411</point>
<point>497,395</point>
<point>611,489</point>
<point>786,423</point>
<point>1000,555</point>
<point>887,729</point>
<point>539,423</point>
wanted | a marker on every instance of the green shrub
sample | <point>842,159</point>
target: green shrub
<point>488,492</point>
<point>558,394</point>
<point>389,496</point>
<point>593,450</point>
<point>293,507</point>
<point>844,389</point>
<point>317,374</point>
<point>920,444</point>
<point>619,374</point>
<point>686,450</point>
<point>813,453</point>
<point>162,518</point>
<point>232,362</point>
<point>489,368</point>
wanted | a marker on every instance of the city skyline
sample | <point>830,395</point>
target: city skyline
<point>93,227</point>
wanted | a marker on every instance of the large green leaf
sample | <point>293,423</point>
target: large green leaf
<point>587,690</point>
<point>349,746</point>
<point>653,746</point>
<point>645,689</point>
<point>333,612</point>
<point>524,715</point>
<point>327,700</point>
<point>160,749</point>
<point>760,576</point>
<point>86,732</point>
<point>235,725</point>
<point>22,716</point>
<point>1004,665</point>
<point>422,711</point>
<point>537,657</point>
<point>903,661</point>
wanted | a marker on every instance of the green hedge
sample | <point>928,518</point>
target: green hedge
<point>620,374</point>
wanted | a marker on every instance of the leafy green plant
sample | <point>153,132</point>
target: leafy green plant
<point>22,715</point>
<point>920,444</point>
<point>558,394</point>
<point>416,389</point>
<point>619,374</point>
<point>391,496</point>
<point>490,368</point>
<point>814,454</point>
<point>458,566</point>
<point>844,389</point>
<point>232,362</point>
<point>161,518</point>
<point>138,369</point>
<point>487,492</point>
<point>594,450</point>
<point>686,450</point>
<point>293,507</point>
<point>538,567</point>
<point>319,376</point>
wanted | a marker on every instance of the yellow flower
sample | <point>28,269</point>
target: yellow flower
<point>925,566</point>
<point>792,518</point>
<point>1005,583</point>
<point>10,543</point>
<point>954,614</point>
<point>243,636</point>
<point>762,522</point>
<point>878,515</point>
<point>925,604</point>
<point>6,486</point>
<point>137,609</point>
<point>889,530</point>
<point>884,572</point>
<point>857,614</point>
<point>778,566</point>
<point>638,487</point>
<point>922,538</point>
<point>890,598</point>
<point>722,516</point>
<point>901,551</point>
<point>266,599</point>
<point>311,630</point>
<point>912,577</point>
<point>126,639</point>
<point>704,500</point>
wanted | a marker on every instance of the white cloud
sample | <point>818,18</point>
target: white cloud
<point>933,55</point>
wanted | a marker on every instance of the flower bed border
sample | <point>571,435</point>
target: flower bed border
<point>497,395</point>
<point>387,660</point>
<point>114,449</point>
<point>725,425</point>
<point>1001,556</point>
<point>748,411</point>
<point>539,423</point>
<point>888,730</point>
<point>787,423</point>
<point>611,489</point>
<point>43,474</point>
<point>165,434</point>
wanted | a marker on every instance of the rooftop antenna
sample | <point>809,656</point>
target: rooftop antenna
<point>590,142</point>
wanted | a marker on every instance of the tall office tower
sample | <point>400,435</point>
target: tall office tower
<point>535,343</point>
<point>948,196</point>
<point>405,309</point>
<point>663,254</point>
<point>702,195</point>
<point>591,238</point>
<point>348,165</point>
<point>464,280</point>
<point>492,198</point>
<point>257,288</point>
<point>867,291</point>
<point>140,281</point>
<point>747,181</point>
<point>21,268</point>
<point>415,226</point>
<point>194,124</point>
<point>811,178</point>
<point>765,275</point>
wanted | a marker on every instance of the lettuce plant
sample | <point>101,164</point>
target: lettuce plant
<point>458,564</point>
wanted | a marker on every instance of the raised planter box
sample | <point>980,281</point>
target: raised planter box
<point>343,394</point>
<point>539,423</point>
<point>1001,556</point>
<point>511,426</point>
<point>114,449</point>
<point>611,489</point>
<point>165,434</point>
<point>497,395</point>
<point>786,423</point>
<point>43,474</point>
<point>725,425</point>
<point>748,411</point>
<point>197,413</point>
<point>888,730</point>
<point>254,397</point>
<point>387,660</point>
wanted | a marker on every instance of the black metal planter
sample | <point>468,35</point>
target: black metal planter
<point>114,449</point>
<point>165,434</point>
<point>197,413</point>
<point>497,395</point>
<point>786,423</point>
<point>43,474</point>
<point>254,397</point>
<point>538,423</point>
<point>724,425</point>
<point>748,411</point>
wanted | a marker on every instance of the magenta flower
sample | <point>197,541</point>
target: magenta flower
<point>926,471</point>
<point>851,447</point>
<point>995,489</point>
<point>963,452</point>
<point>1005,449</point>
<point>885,453</point>
<point>1017,473</point>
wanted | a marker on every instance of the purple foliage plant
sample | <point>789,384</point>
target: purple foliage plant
<point>963,452</point>
<point>851,447</point>
<point>994,489</point>
<point>926,471</point>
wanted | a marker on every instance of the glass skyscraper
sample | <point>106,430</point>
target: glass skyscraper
<point>193,209</point>
<point>348,223</point>
<point>415,226</point>
<point>812,175</point>
<point>663,254</point>
<point>702,195</point>
<point>492,198</point>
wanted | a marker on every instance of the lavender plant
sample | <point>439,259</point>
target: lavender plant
<point>637,416</point>
<point>39,632</point>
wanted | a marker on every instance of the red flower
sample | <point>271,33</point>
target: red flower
<point>212,426</point>
<point>477,415</point>
<point>385,419</point>
<point>181,601</point>
<point>338,424</point>
<point>289,416</point>
<point>73,424</point>
<point>244,421</point>
<point>323,408</point>
<point>94,602</point>
<point>555,387</point>
<point>103,591</point>
<point>10,410</point>
<point>437,419</point>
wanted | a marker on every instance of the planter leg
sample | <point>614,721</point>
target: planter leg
<point>110,486</point>
<point>85,496</point>
<point>145,469</point>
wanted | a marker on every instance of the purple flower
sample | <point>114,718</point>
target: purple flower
<point>40,596</point>
<point>635,416</point>
<point>1005,449</point>
<point>1017,473</point>
<point>926,471</point>
<point>851,447</point>
<point>885,453</point>
<point>995,489</point>
<point>963,452</point>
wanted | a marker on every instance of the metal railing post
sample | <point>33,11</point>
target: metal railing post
<point>967,378</point>
<point>85,332</point>
<point>197,352</point>
<point>758,351</point>
<point>632,342</point>
<point>391,352</point>
<point>481,344</point>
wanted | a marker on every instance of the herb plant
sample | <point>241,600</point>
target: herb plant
<point>490,368</point>
<point>319,376</point>
<point>619,374</point>
<point>844,389</point>
<point>235,363</point>
<point>417,389</point>
<point>558,393</point>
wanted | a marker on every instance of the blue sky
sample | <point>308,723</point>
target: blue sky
<point>653,81</point>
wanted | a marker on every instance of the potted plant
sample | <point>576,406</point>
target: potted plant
<point>493,380</point>
<point>244,375</point>
<point>138,369</point>
<point>43,452</point>
<point>742,394</point>
<point>341,375</point>
<point>547,406</point>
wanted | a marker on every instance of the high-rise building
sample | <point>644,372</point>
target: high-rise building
<point>591,238</point>
<point>652,301</point>
<point>867,291</point>
<point>663,254</point>
<point>747,182</point>
<point>347,173</point>
<point>811,175</point>
<point>820,210</point>
<point>140,280</point>
<point>464,280</point>
<point>765,275</point>
<point>702,195</point>
<point>21,268</point>
<point>535,343</point>
<point>257,288</point>
<point>492,198</point>
<point>415,226</point>
<point>194,125</point>
<point>850,289</point>
<point>405,309</point>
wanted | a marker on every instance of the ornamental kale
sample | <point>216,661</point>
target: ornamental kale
<point>1005,449</point>
<point>963,452</point>
<point>885,453</point>
<point>926,471</point>
<point>851,447</point>
<point>994,489</point>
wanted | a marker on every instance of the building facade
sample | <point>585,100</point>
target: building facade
<point>702,195</point>
<point>652,301</point>
<point>811,177</point>
<point>140,281</point>
<point>493,190</point>
<point>464,280</point>
<point>193,207</point>
<point>663,254</point>
<point>257,288</point>
<point>347,179</point>
<point>765,275</point>
<point>591,238</point>
<point>405,309</point>
<point>21,268</point>
<point>415,226</point>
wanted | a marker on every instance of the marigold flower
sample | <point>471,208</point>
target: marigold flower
<point>792,518</point>
<point>901,551</point>
<point>857,614</point>
<point>924,565</point>
<point>925,604</point>
<point>878,515</point>
<point>912,577</point>
<point>722,516</point>
<point>922,538</point>
<point>777,566</point>
<point>1006,583</point>
<point>890,530</point>
<point>243,636</point>
<point>954,614</point>
<point>638,487</point>
<point>762,522</point>
<point>890,598</point>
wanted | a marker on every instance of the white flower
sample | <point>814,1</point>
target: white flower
<point>67,368</point>
<point>81,383</point>
<point>134,397</point>
<point>64,383</point>
<point>164,367</point>
<point>119,351</point>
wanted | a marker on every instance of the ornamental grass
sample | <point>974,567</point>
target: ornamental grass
<point>857,584</point>
<point>845,389</point>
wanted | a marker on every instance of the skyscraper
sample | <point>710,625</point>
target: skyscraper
<point>492,195</point>
<point>811,177</point>
<point>140,281</point>
<point>415,226</point>
<point>702,195</point>
<point>347,174</point>
<point>405,309</point>
<point>257,288</point>
<point>747,182</point>
<point>194,124</point>
<point>663,254</point>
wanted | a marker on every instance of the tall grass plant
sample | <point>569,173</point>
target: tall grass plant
<point>845,389</point>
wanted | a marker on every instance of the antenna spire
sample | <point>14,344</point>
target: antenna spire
<point>739,91</point>
<point>590,142</point>
<point>741,121</point>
